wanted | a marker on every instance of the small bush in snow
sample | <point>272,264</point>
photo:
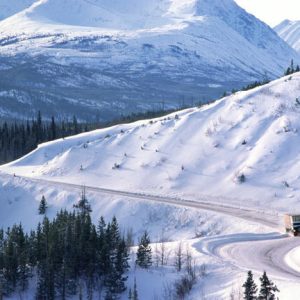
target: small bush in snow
<point>285,184</point>
<point>183,286</point>
<point>208,132</point>
<point>216,144</point>
<point>240,178</point>
<point>116,166</point>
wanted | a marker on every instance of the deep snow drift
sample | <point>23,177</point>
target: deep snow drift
<point>196,152</point>
<point>116,57</point>
<point>290,32</point>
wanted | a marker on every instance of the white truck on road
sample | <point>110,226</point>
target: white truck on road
<point>292,223</point>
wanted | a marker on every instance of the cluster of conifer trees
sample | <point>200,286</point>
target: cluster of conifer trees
<point>292,69</point>
<point>19,138</point>
<point>267,289</point>
<point>66,256</point>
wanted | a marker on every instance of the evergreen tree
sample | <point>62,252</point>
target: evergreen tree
<point>53,129</point>
<point>250,288</point>
<point>144,253</point>
<point>130,294</point>
<point>43,206</point>
<point>135,292</point>
<point>83,204</point>
<point>267,288</point>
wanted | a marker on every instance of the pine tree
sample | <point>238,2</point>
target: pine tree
<point>53,129</point>
<point>250,288</point>
<point>135,292</point>
<point>267,288</point>
<point>83,204</point>
<point>144,253</point>
<point>130,294</point>
<point>43,206</point>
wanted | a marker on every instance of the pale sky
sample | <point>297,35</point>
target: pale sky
<point>272,12</point>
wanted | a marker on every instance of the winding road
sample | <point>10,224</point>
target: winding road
<point>244,251</point>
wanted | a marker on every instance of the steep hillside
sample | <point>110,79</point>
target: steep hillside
<point>197,154</point>
<point>244,147</point>
<point>116,57</point>
<point>290,32</point>
<point>11,7</point>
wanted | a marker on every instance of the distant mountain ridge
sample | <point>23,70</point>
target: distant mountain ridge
<point>106,58</point>
<point>290,32</point>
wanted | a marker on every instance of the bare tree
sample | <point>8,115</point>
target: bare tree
<point>179,257</point>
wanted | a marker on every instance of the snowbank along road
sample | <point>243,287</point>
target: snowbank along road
<point>267,251</point>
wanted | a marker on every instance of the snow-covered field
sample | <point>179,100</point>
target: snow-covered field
<point>197,154</point>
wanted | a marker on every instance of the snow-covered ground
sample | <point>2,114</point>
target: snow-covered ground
<point>196,154</point>
<point>197,230</point>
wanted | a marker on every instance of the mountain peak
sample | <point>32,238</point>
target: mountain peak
<point>289,31</point>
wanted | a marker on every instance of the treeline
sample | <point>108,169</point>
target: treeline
<point>292,69</point>
<point>255,84</point>
<point>19,138</point>
<point>289,71</point>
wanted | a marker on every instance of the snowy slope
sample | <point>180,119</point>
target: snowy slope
<point>290,32</point>
<point>122,56</point>
<point>11,7</point>
<point>200,152</point>
<point>197,154</point>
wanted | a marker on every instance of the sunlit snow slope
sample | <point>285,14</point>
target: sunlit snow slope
<point>100,57</point>
<point>196,152</point>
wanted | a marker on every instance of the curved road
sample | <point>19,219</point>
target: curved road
<point>245,251</point>
<point>271,220</point>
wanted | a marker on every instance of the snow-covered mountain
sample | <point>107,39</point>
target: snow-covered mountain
<point>196,152</point>
<point>290,32</point>
<point>80,56</point>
